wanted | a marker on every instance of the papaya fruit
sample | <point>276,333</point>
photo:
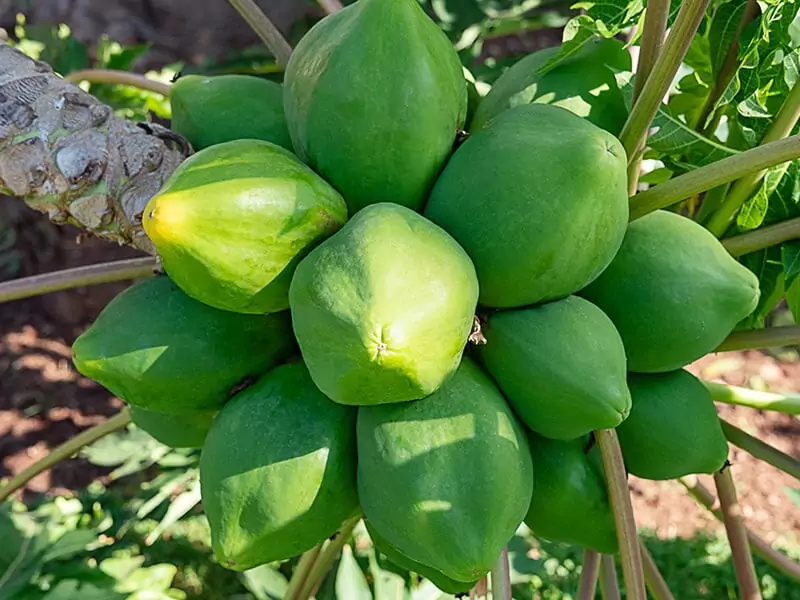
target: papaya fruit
<point>538,199</point>
<point>156,348</point>
<point>582,83</point>
<point>383,309</point>
<point>561,365</point>
<point>448,479</point>
<point>278,470</point>
<point>209,110</point>
<point>185,430</point>
<point>570,501</point>
<point>673,292</point>
<point>375,109</point>
<point>443,582</point>
<point>673,429</point>
<point>233,220</point>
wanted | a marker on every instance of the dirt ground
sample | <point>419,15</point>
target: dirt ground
<point>43,401</point>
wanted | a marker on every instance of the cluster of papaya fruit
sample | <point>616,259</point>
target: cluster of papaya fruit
<point>373,307</point>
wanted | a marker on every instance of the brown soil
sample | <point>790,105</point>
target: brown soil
<point>43,401</point>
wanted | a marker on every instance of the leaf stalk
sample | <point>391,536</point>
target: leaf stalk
<point>265,29</point>
<point>761,450</point>
<point>757,339</point>
<point>727,394</point>
<point>590,571</point>
<point>113,76</point>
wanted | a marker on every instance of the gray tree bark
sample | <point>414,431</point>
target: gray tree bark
<point>68,156</point>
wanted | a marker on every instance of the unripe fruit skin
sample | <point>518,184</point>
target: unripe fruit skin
<point>185,430</point>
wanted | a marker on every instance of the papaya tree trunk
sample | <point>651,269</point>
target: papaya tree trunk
<point>68,156</point>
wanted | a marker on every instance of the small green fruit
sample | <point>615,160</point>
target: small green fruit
<point>383,309</point>
<point>561,365</point>
<point>233,220</point>
<point>278,470</point>
<point>156,348</point>
<point>209,110</point>
<point>673,429</point>
<point>184,430</point>
<point>673,292</point>
<point>448,479</point>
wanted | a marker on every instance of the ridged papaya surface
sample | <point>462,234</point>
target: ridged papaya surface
<point>184,430</point>
<point>561,365</point>
<point>233,220</point>
<point>383,309</point>
<point>155,347</point>
<point>443,582</point>
<point>278,470</point>
<point>539,201</point>
<point>374,97</point>
<point>209,110</point>
<point>570,501</point>
<point>673,292</point>
<point>673,429</point>
<point>448,479</point>
<point>581,82</point>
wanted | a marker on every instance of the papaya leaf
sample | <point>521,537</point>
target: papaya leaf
<point>783,202</point>
<point>790,256</point>
<point>722,32</point>
<point>612,15</point>
<point>70,589</point>
<point>793,299</point>
<point>755,209</point>
<point>768,267</point>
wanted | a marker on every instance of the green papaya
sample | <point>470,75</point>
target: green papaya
<point>673,292</point>
<point>374,97</point>
<point>233,220</point>
<point>448,479</point>
<point>278,470</point>
<point>539,201</point>
<point>209,110</point>
<point>443,582</point>
<point>156,348</point>
<point>185,430</point>
<point>570,501</point>
<point>581,82</point>
<point>383,309</point>
<point>673,429</point>
<point>561,365</point>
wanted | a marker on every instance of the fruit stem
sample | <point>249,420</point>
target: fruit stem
<point>737,535</point>
<point>609,586</point>
<point>120,77</point>
<point>330,6</point>
<point>759,546</point>
<point>655,26</point>
<point>265,29</point>
<point>757,339</point>
<point>765,237</point>
<point>634,132</point>
<point>326,558</point>
<point>623,513</point>
<point>501,577</point>
<point>717,173</point>
<point>727,394</point>
<point>781,127</point>
<point>589,573</point>
<point>761,450</point>
<point>36,285</point>
<point>301,571</point>
<point>65,450</point>
<point>656,584</point>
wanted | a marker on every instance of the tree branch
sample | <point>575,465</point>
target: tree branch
<point>68,156</point>
<point>761,450</point>
<point>609,586</point>
<point>326,558</point>
<point>589,573</point>
<point>265,29</point>
<point>330,6</point>
<point>757,339</point>
<point>301,572</point>
<point>656,584</point>
<point>737,536</point>
<point>121,77</point>
<point>762,238</point>
<point>728,394</point>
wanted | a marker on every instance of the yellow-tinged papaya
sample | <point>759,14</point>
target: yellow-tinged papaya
<point>156,348</point>
<point>539,201</point>
<point>673,292</point>
<point>673,429</point>
<point>374,98</point>
<point>184,430</point>
<point>233,220</point>
<point>570,499</point>
<point>209,110</point>
<point>441,581</point>
<point>583,83</point>
<point>278,470</point>
<point>383,309</point>
<point>561,365</point>
<point>448,479</point>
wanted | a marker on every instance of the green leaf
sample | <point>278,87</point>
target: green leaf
<point>768,267</point>
<point>265,583</point>
<point>178,508</point>
<point>71,589</point>
<point>783,202</point>
<point>157,578</point>
<point>793,493</point>
<point>790,256</point>
<point>722,32</point>
<point>615,15</point>
<point>793,299</point>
